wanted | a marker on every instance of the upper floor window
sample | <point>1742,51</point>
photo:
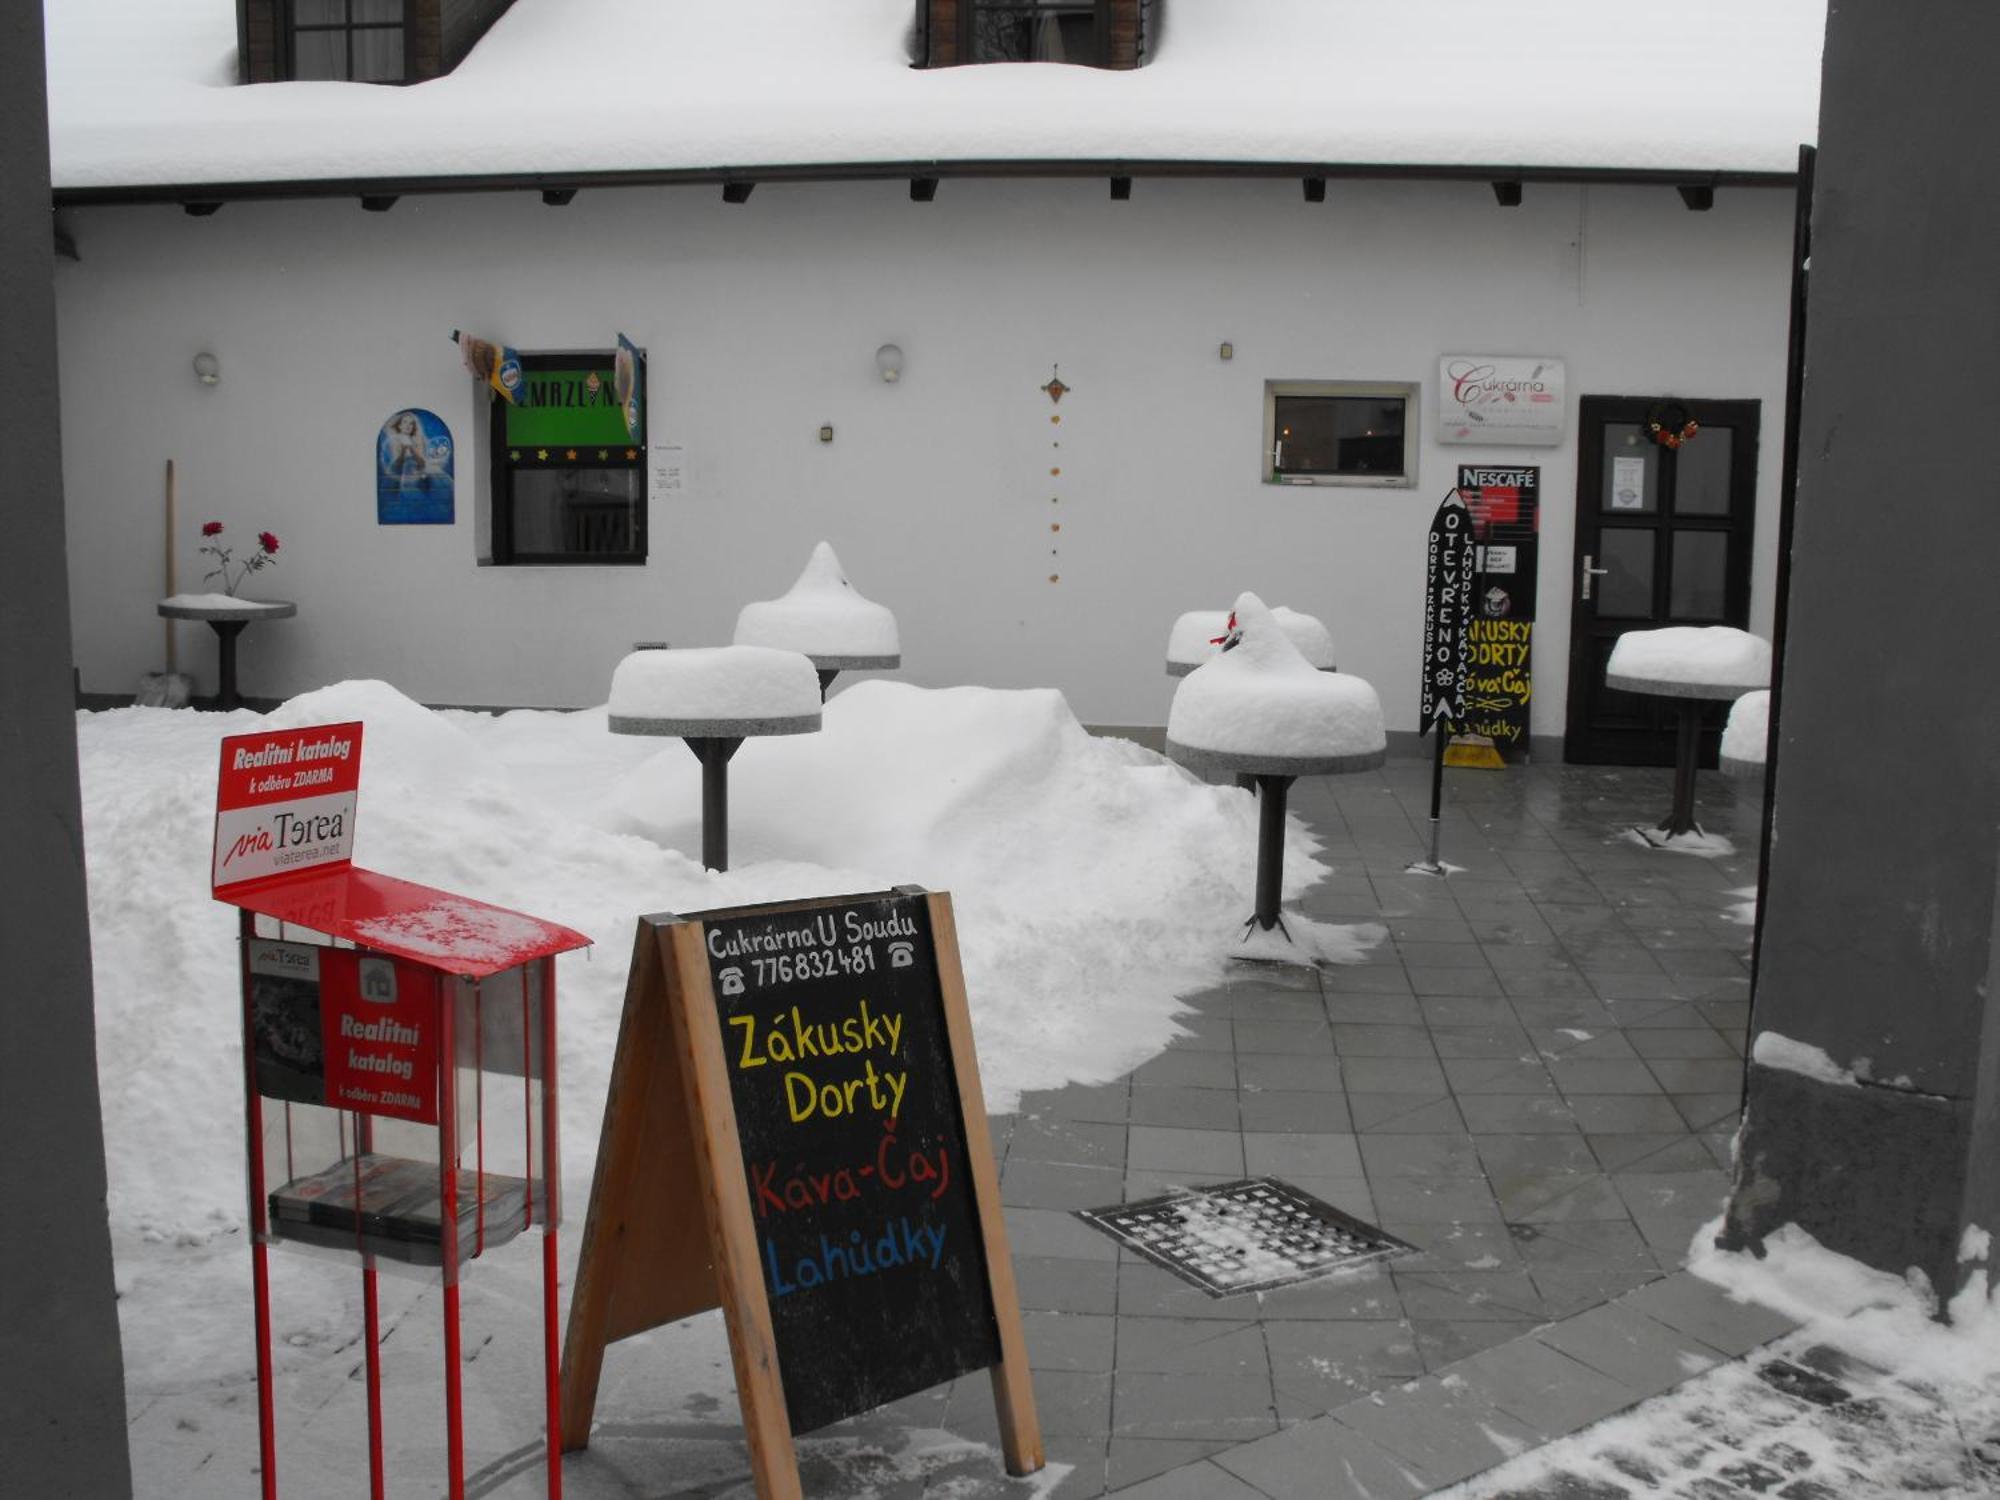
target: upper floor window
<point>361,41</point>
<point>1094,33</point>
<point>1065,31</point>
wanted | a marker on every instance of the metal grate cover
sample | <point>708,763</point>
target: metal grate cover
<point>1247,1236</point>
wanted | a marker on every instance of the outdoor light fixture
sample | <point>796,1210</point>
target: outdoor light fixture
<point>207,368</point>
<point>889,360</point>
<point>1229,351</point>
<point>826,433</point>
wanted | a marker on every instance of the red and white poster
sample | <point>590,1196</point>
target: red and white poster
<point>285,802</point>
<point>378,1024</point>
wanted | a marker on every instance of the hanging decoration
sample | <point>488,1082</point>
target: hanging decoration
<point>495,364</point>
<point>1670,423</point>
<point>626,384</point>
<point>1055,387</point>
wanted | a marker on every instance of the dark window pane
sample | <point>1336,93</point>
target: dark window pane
<point>319,54</point>
<point>1631,471</point>
<point>1697,588</point>
<point>575,512</point>
<point>1338,435</point>
<point>378,54</point>
<point>1060,32</point>
<point>379,10</point>
<point>1625,591</point>
<point>319,12</point>
<point>1701,483</point>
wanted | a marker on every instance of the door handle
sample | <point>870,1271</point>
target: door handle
<point>1589,573</point>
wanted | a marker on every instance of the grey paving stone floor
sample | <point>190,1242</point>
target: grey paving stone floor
<point>1534,1079</point>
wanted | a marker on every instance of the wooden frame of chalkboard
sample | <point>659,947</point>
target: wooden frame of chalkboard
<point>795,1132</point>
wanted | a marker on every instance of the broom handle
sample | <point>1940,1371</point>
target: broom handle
<point>170,564</point>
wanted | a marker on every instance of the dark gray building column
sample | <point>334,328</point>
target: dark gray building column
<point>62,1390</point>
<point>1881,941</point>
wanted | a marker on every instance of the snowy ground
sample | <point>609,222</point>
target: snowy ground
<point>1872,1397</point>
<point>1093,882</point>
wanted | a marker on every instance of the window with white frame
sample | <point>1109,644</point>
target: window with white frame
<point>1353,432</point>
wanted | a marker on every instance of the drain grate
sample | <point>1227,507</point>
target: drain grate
<point>1247,1236</point>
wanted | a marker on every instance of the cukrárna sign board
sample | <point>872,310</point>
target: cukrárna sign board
<point>795,1131</point>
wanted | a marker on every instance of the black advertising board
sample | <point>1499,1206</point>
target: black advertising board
<point>854,1151</point>
<point>1506,518</point>
<point>795,1131</point>
<point>1447,615</point>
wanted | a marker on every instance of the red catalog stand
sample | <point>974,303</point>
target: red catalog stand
<point>399,1048</point>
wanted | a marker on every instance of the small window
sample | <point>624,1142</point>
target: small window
<point>1064,31</point>
<point>569,481</point>
<point>1340,432</point>
<point>359,41</point>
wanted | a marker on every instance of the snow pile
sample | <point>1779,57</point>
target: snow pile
<point>1744,736</point>
<point>822,615</point>
<point>715,682</point>
<point>217,601</point>
<point>140,91</point>
<point>1789,1056</point>
<point>1696,842</point>
<point>1264,698</point>
<point>1197,636</point>
<point>1092,882</point>
<point>1696,655</point>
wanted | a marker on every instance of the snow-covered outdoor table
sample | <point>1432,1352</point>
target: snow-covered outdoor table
<point>714,698</point>
<point>1690,664</point>
<point>226,615</point>
<point>1261,710</point>
<point>1197,638</point>
<point>1745,735</point>
<point>824,618</point>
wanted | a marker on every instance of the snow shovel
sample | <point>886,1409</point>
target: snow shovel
<point>168,689</point>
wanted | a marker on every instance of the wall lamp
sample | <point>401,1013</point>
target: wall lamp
<point>207,368</point>
<point>889,362</point>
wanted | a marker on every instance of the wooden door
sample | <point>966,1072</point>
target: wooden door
<point>1662,538</point>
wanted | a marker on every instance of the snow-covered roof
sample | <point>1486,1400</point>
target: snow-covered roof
<point>142,93</point>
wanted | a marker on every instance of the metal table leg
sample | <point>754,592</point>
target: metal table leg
<point>1271,794</point>
<point>1687,743</point>
<point>713,751</point>
<point>226,631</point>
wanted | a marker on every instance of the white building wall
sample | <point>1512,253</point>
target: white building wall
<point>761,322</point>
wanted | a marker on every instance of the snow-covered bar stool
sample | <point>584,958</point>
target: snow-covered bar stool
<point>824,618</point>
<point>1690,664</point>
<point>1198,635</point>
<point>1261,709</point>
<point>1745,735</point>
<point>715,698</point>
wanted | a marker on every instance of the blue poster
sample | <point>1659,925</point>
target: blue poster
<point>413,471</point>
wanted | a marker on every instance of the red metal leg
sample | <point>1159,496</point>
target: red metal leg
<point>371,1318</point>
<point>260,1254</point>
<point>267,1427</point>
<point>454,1401</point>
<point>552,1363</point>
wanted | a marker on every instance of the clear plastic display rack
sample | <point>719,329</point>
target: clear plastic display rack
<point>399,1071</point>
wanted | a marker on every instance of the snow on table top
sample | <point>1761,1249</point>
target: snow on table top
<point>1196,636</point>
<point>1264,698</point>
<point>142,91</point>
<point>715,682</point>
<point>220,602</point>
<point>822,615</point>
<point>1705,655</point>
<point>1744,736</point>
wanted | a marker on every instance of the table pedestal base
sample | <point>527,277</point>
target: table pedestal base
<point>226,631</point>
<point>1271,794</point>
<point>1687,740</point>
<point>714,751</point>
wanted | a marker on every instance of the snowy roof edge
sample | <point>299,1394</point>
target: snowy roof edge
<point>392,186</point>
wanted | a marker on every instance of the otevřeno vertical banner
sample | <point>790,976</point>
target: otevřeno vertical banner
<point>1447,615</point>
<point>285,802</point>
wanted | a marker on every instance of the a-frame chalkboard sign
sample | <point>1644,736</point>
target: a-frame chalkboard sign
<point>795,1132</point>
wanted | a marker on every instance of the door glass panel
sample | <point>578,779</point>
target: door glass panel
<point>1630,484</point>
<point>1625,592</point>
<point>1697,589</point>
<point>1701,482</point>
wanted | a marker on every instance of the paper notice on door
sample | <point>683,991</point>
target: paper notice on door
<point>669,462</point>
<point>1628,484</point>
